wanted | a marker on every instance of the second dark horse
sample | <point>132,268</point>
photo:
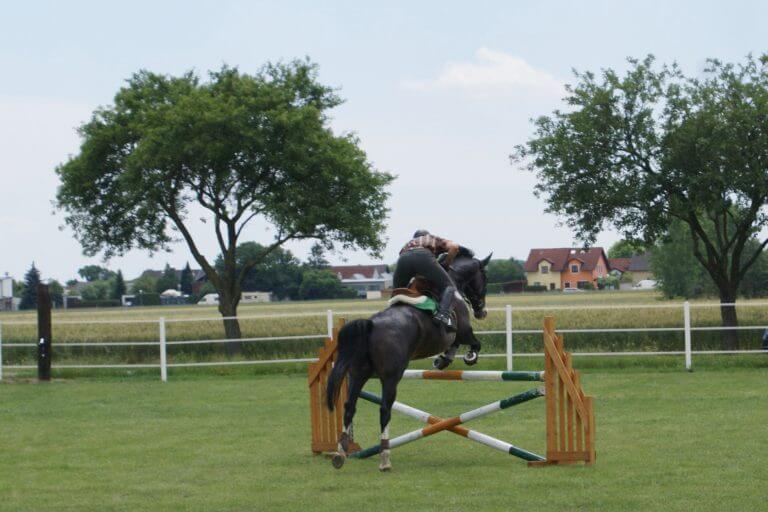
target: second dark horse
<point>384,344</point>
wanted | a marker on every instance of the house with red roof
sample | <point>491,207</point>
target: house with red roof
<point>620,265</point>
<point>566,267</point>
<point>365,279</point>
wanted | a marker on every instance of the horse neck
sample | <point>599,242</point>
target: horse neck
<point>456,277</point>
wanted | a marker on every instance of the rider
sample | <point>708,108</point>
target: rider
<point>418,258</point>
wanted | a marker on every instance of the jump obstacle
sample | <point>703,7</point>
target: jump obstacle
<point>570,430</point>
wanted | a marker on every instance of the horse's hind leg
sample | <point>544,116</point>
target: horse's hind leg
<point>356,383</point>
<point>388,395</point>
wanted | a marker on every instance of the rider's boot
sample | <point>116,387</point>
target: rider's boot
<point>443,315</point>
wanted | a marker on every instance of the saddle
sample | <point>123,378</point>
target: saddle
<point>419,294</point>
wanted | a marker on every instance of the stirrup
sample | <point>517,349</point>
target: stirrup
<point>445,321</point>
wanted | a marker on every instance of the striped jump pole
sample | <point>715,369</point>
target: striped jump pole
<point>497,376</point>
<point>437,424</point>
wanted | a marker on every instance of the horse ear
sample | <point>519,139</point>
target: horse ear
<point>484,263</point>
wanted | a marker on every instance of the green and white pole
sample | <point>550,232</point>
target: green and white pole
<point>493,376</point>
<point>452,424</point>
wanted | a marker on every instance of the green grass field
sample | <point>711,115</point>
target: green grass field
<point>666,440</point>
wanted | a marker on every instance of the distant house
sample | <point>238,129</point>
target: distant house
<point>364,278</point>
<point>7,300</point>
<point>212,299</point>
<point>619,265</point>
<point>566,267</point>
<point>640,266</point>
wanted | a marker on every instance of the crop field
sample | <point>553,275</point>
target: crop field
<point>671,441</point>
<point>308,319</point>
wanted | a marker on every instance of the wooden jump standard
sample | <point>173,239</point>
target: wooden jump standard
<point>570,414</point>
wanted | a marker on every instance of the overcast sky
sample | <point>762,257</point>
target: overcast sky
<point>434,90</point>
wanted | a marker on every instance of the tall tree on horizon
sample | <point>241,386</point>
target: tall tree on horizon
<point>317,258</point>
<point>186,280</point>
<point>640,150</point>
<point>118,286</point>
<point>29,294</point>
<point>238,147</point>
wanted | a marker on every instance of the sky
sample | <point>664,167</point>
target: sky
<point>439,93</point>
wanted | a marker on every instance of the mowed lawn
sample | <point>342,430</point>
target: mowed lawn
<point>666,440</point>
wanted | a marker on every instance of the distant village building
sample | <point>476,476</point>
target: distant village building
<point>566,267</point>
<point>7,301</point>
<point>212,299</point>
<point>619,265</point>
<point>640,267</point>
<point>364,278</point>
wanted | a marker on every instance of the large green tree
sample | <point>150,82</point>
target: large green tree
<point>625,249</point>
<point>502,271</point>
<point>680,275</point>
<point>678,272</point>
<point>168,281</point>
<point>233,149</point>
<point>323,284</point>
<point>145,283</point>
<point>95,273</point>
<point>638,150</point>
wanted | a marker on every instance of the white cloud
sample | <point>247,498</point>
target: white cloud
<point>490,70</point>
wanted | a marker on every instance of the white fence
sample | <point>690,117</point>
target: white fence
<point>162,343</point>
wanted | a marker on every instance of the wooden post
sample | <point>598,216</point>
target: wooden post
<point>43,332</point>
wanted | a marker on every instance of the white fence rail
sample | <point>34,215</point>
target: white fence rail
<point>162,343</point>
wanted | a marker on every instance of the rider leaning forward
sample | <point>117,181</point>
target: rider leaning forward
<point>419,258</point>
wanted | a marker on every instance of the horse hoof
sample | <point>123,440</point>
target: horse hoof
<point>385,462</point>
<point>441,362</point>
<point>471,358</point>
<point>338,460</point>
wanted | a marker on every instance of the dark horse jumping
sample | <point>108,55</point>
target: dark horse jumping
<point>384,344</point>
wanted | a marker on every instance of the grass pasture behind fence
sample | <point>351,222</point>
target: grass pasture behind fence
<point>196,334</point>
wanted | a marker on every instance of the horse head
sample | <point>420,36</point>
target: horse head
<point>469,275</point>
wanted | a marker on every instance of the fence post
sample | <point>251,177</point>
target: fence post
<point>329,319</point>
<point>508,311</point>
<point>44,332</point>
<point>687,322</point>
<point>163,362</point>
<point>1,350</point>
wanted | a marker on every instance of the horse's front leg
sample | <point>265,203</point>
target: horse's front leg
<point>446,358</point>
<point>467,337</point>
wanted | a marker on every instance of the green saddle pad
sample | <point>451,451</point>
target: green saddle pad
<point>424,303</point>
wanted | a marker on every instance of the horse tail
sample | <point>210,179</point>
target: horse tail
<point>352,348</point>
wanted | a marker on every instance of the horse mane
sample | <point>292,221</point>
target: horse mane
<point>462,265</point>
<point>465,252</point>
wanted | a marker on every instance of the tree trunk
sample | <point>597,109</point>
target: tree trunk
<point>729,319</point>
<point>228,308</point>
